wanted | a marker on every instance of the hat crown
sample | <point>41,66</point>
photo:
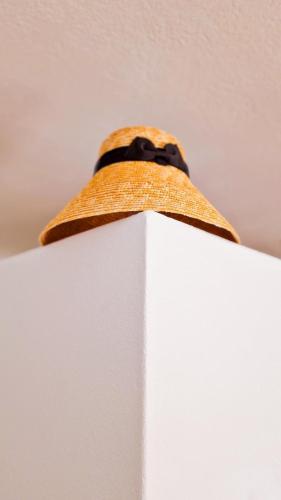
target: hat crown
<point>125,136</point>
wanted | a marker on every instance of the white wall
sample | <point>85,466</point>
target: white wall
<point>140,360</point>
<point>71,346</point>
<point>213,368</point>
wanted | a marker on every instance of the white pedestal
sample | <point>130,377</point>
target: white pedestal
<point>140,360</point>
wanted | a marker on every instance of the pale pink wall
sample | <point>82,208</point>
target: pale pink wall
<point>208,71</point>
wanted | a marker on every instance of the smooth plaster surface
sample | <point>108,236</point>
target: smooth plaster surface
<point>213,350</point>
<point>138,361</point>
<point>208,71</point>
<point>71,343</point>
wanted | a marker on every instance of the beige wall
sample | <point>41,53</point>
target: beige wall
<point>208,71</point>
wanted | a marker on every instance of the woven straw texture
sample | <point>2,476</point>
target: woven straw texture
<point>121,189</point>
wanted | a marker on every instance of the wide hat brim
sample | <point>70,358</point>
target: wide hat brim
<point>122,189</point>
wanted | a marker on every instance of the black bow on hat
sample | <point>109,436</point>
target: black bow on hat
<point>142,149</point>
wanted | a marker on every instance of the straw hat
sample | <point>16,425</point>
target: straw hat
<point>139,168</point>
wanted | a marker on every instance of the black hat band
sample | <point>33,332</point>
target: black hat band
<point>142,149</point>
